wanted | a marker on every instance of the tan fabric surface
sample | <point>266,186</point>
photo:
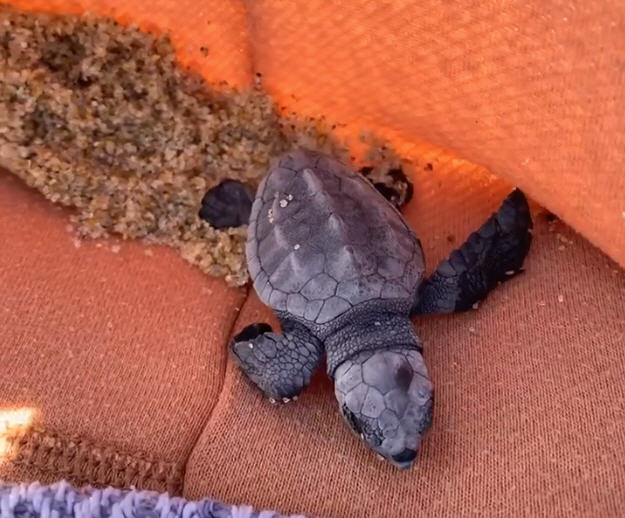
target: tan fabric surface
<point>121,352</point>
<point>530,398</point>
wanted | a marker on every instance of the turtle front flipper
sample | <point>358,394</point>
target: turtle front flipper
<point>491,255</point>
<point>280,365</point>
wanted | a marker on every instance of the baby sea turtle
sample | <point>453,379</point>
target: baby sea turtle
<point>344,273</point>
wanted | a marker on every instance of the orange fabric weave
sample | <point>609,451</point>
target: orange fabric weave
<point>530,393</point>
<point>534,91</point>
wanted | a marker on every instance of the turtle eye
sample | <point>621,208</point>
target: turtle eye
<point>351,419</point>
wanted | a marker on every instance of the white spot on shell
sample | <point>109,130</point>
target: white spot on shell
<point>285,400</point>
<point>283,203</point>
<point>250,345</point>
<point>510,272</point>
<point>296,247</point>
<point>289,197</point>
<point>476,305</point>
<point>272,401</point>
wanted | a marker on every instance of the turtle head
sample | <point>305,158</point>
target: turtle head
<point>386,398</point>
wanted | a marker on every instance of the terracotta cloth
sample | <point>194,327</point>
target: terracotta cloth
<point>118,361</point>
<point>124,353</point>
<point>118,354</point>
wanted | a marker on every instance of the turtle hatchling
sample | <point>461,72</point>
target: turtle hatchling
<point>344,274</point>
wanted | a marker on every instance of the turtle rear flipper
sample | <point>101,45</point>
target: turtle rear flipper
<point>280,365</point>
<point>491,255</point>
<point>227,205</point>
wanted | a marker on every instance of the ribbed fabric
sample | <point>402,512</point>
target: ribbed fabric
<point>113,359</point>
<point>529,392</point>
<point>126,353</point>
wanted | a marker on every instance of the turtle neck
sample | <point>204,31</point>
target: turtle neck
<point>369,330</point>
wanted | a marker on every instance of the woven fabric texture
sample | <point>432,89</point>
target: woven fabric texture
<point>532,90</point>
<point>115,369</point>
<point>118,357</point>
<point>529,411</point>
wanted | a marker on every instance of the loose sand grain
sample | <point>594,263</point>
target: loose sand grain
<point>101,118</point>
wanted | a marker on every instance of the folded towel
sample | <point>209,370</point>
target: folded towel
<point>61,500</point>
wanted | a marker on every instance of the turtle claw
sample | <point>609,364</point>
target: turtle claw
<point>280,365</point>
<point>284,400</point>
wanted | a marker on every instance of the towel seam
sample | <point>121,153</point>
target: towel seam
<point>83,461</point>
